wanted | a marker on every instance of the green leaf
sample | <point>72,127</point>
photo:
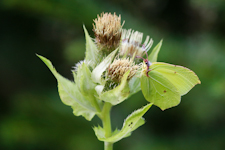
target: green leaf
<point>119,93</point>
<point>92,54</point>
<point>181,77</point>
<point>83,79</point>
<point>86,86</point>
<point>70,95</point>
<point>99,89</point>
<point>97,72</point>
<point>131,123</point>
<point>134,85</point>
<point>154,54</point>
<point>99,131</point>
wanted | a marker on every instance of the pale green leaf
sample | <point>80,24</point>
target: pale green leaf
<point>154,54</point>
<point>83,79</point>
<point>182,78</point>
<point>92,54</point>
<point>70,94</point>
<point>99,131</point>
<point>99,89</point>
<point>119,93</point>
<point>86,86</point>
<point>97,72</point>
<point>131,123</point>
<point>134,85</point>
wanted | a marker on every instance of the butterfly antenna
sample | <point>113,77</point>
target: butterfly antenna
<point>139,57</point>
<point>146,54</point>
<point>143,46</point>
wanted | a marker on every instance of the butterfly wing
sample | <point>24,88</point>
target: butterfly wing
<point>159,90</point>
<point>182,78</point>
<point>167,83</point>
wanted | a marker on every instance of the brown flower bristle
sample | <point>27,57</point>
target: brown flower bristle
<point>119,67</point>
<point>108,31</point>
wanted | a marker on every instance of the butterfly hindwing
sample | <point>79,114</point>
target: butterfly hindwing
<point>159,90</point>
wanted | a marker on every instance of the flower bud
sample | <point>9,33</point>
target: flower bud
<point>107,30</point>
<point>119,67</point>
<point>132,43</point>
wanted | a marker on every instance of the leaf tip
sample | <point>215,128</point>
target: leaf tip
<point>41,57</point>
<point>85,30</point>
<point>38,55</point>
<point>149,105</point>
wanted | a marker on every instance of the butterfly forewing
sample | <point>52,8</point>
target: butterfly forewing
<point>182,78</point>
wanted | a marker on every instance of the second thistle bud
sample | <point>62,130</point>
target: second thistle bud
<point>119,67</point>
<point>108,31</point>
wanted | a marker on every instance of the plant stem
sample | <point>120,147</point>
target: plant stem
<point>96,105</point>
<point>106,121</point>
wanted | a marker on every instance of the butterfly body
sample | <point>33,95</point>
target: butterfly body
<point>148,64</point>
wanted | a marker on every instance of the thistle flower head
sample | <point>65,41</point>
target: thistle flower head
<point>80,63</point>
<point>132,43</point>
<point>107,29</point>
<point>119,67</point>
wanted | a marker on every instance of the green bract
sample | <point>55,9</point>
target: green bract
<point>91,54</point>
<point>98,71</point>
<point>118,94</point>
<point>134,85</point>
<point>154,54</point>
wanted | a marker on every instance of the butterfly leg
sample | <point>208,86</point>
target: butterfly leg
<point>147,72</point>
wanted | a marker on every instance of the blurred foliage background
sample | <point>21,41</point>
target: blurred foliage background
<point>32,117</point>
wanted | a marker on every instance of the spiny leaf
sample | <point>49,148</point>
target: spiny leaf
<point>70,94</point>
<point>131,123</point>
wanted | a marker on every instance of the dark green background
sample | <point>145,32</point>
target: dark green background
<point>32,117</point>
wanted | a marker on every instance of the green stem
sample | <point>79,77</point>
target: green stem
<point>106,121</point>
<point>97,105</point>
